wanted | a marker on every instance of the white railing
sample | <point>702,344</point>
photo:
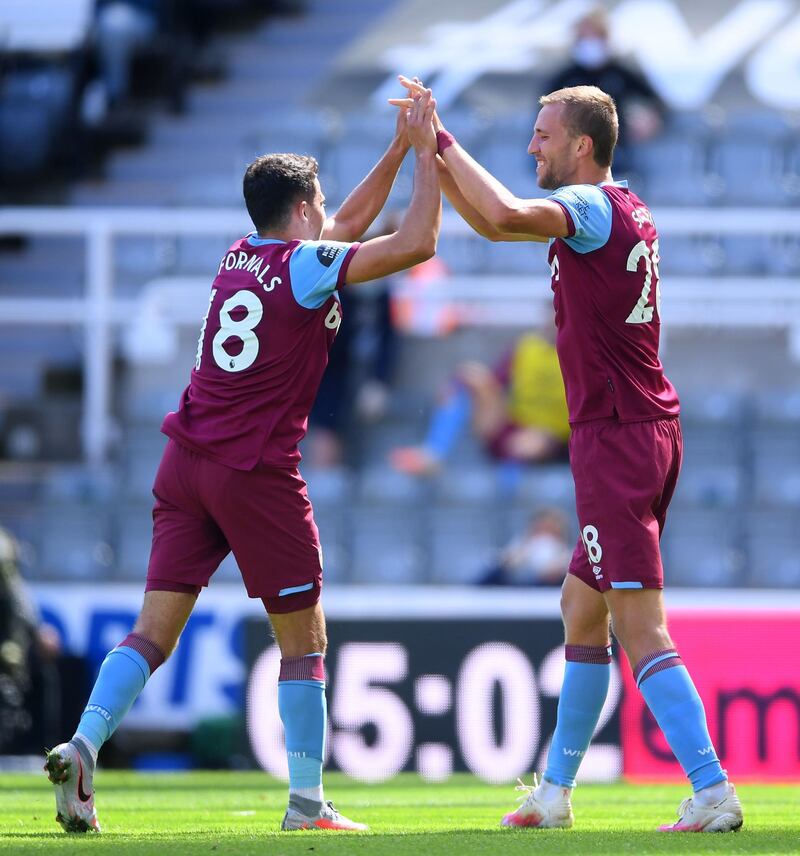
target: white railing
<point>749,301</point>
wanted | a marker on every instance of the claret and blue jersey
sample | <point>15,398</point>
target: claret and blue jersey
<point>273,314</point>
<point>606,296</point>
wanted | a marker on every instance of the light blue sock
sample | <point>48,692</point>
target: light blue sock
<point>303,711</point>
<point>121,678</point>
<point>448,421</point>
<point>586,678</point>
<point>673,700</point>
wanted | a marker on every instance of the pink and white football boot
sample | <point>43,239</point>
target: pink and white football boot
<point>544,806</point>
<point>72,780</point>
<point>724,815</point>
<point>308,814</point>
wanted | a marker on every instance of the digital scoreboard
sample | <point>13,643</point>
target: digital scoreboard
<point>435,696</point>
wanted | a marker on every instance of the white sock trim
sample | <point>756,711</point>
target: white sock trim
<point>315,793</point>
<point>90,747</point>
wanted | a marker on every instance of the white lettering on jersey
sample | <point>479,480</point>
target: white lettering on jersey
<point>642,216</point>
<point>252,264</point>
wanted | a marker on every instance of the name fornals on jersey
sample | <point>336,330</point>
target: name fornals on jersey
<point>253,264</point>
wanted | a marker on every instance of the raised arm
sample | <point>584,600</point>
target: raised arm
<point>415,239</point>
<point>503,212</point>
<point>365,202</point>
<point>471,216</point>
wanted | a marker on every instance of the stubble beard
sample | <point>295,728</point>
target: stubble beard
<point>548,179</point>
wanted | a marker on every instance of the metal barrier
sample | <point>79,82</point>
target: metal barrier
<point>760,301</point>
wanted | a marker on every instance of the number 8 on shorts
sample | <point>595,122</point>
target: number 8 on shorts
<point>590,538</point>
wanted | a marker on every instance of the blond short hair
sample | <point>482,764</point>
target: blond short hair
<point>590,111</point>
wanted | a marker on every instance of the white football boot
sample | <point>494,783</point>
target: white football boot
<point>309,814</point>
<point>72,780</point>
<point>553,813</point>
<point>723,816</point>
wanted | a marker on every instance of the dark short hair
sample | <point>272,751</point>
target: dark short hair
<point>273,183</point>
<point>590,111</point>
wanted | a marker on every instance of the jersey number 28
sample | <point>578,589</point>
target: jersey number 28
<point>642,313</point>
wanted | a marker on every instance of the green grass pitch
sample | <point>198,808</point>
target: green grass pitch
<point>239,813</point>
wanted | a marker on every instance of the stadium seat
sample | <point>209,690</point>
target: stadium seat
<point>361,141</point>
<point>35,105</point>
<point>134,532</point>
<point>388,543</point>
<point>748,158</point>
<point>464,541</point>
<point>76,483</point>
<point>75,540</point>
<point>782,255</point>
<point>713,472</point>
<point>776,447</point>
<point>475,484</point>
<point>330,519</point>
<point>21,517</point>
<point>548,484</point>
<point>142,454</point>
<point>503,151</point>
<point>462,254</point>
<point>522,257</point>
<point>773,558</point>
<point>675,168</point>
<point>776,464</point>
<point>744,255</point>
<point>381,483</point>
<point>702,547</point>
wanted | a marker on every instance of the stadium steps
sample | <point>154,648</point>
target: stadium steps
<point>198,159</point>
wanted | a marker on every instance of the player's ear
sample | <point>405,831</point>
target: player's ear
<point>585,145</point>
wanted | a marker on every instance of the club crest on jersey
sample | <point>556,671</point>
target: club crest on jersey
<point>328,254</point>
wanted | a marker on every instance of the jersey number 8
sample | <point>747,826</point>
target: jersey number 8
<point>232,329</point>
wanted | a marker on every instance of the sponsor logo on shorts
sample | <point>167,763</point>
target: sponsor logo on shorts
<point>328,254</point>
<point>598,572</point>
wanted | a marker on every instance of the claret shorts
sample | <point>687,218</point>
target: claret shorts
<point>204,510</point>
<point>625,475</point>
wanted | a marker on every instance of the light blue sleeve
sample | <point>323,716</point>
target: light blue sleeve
<point>314,268</point>
<point>590,210</point>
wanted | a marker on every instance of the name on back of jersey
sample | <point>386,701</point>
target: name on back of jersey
<point>641,216</point>
<point>252,263</point>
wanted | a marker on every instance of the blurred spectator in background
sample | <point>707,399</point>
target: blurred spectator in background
<point>122,28</point>
<point>170,35</point>
<point>518,411</point>
<point>538,557</point>
<point>29,686</point>
<point>640,111</point>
